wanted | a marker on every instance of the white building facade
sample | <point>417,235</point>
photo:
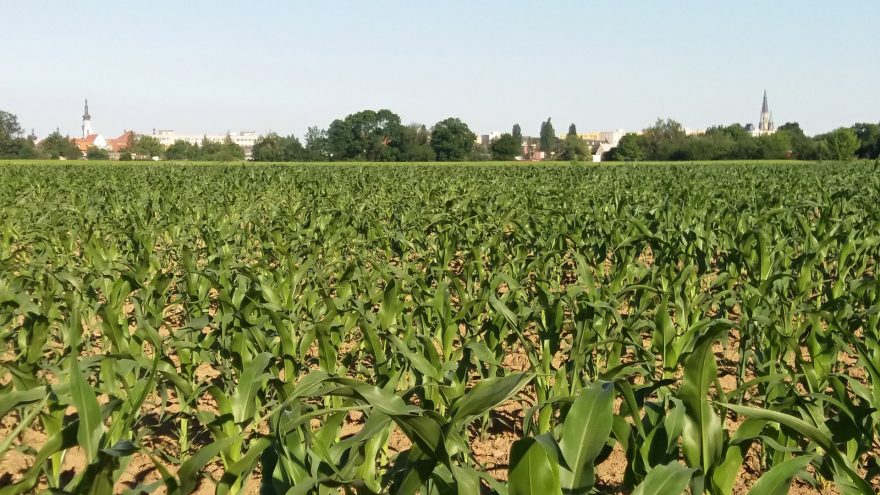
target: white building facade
<point>245,139</point>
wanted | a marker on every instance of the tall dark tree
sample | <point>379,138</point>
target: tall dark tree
<point>11,141</point>
<point>547,137</point>
<point>9,126</point>
<point>505,148</point>
<point>452,140</point>
<point>517,133</point>
<point>294,151</point>
<point>316,148</point>
<point>869,140</point>
<point>572,130</point>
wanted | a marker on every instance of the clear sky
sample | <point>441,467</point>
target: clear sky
<point>217,66</point>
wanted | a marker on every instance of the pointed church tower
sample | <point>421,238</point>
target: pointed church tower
<point>766,123</point>
<point>87,121</point>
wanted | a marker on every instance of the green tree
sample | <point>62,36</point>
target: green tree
<point>9,126</point>
<point>56,146</point>
<point>710,146</point>
<point>665,140</point>
<point>275,148</point>
<point>776,146</point>
<point>506,147</point>
<point>479,153</point>
<point>417,144</point>
<point>840,144</point>
<point>294,151</point>
<point>9,129</point>
<point>869,140</point>
<point>572,130</point>
<point>452,140</point>
<point>147,147</point>
<point>517,133</point>
<point>12,143</point>
<point>316,144</point>
<point>269,148</point>
<point>574,149</point>
<point>95,153</point>
<point>23,148</point>
<point>208,149</point>
<point>802,146</point>
<point>181,150</point>
<point>228,151</point>
<point>547,137</point>
<point>367,135</point>
<point>629,149</point>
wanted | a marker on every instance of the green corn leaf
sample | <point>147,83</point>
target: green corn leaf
<point>486,395</point>
<point>243,406</point>
<point>417,361</point>
<point>725,474</point>
<point>58,442</point>
<point>813,433</point>
<point>502,308</point>
<point>188,474</point>
<point>531,472</point>
<point>702,435</point>
<point>391,306</point>
<point>467,480</point>
<point>91,428</point>
<point>777,481</point>
<point>584,433</point>
<point>243,466</point>
<point>669,479</point>
<point>11,400</point>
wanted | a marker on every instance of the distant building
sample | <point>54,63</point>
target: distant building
<point>486,139</point>
<point>597,137</point>
<point>90,138</point>
<point>765,124</point>
<point>600,142</point>
<point>245,139</point>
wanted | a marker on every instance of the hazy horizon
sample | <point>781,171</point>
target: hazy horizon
<point>216,67</point>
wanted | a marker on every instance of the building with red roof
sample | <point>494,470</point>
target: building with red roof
<point>89,138</point>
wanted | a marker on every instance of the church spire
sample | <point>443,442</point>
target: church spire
<point>87,121</point>
<point>766,123</point>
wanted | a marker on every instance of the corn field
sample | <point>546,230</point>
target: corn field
<point>278,329</point>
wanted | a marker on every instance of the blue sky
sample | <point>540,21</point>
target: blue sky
<point>200,66</point>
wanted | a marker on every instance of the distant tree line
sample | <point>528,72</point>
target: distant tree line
<point>667,140</point>
<point>380,136</point>
<point>376,136</point>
